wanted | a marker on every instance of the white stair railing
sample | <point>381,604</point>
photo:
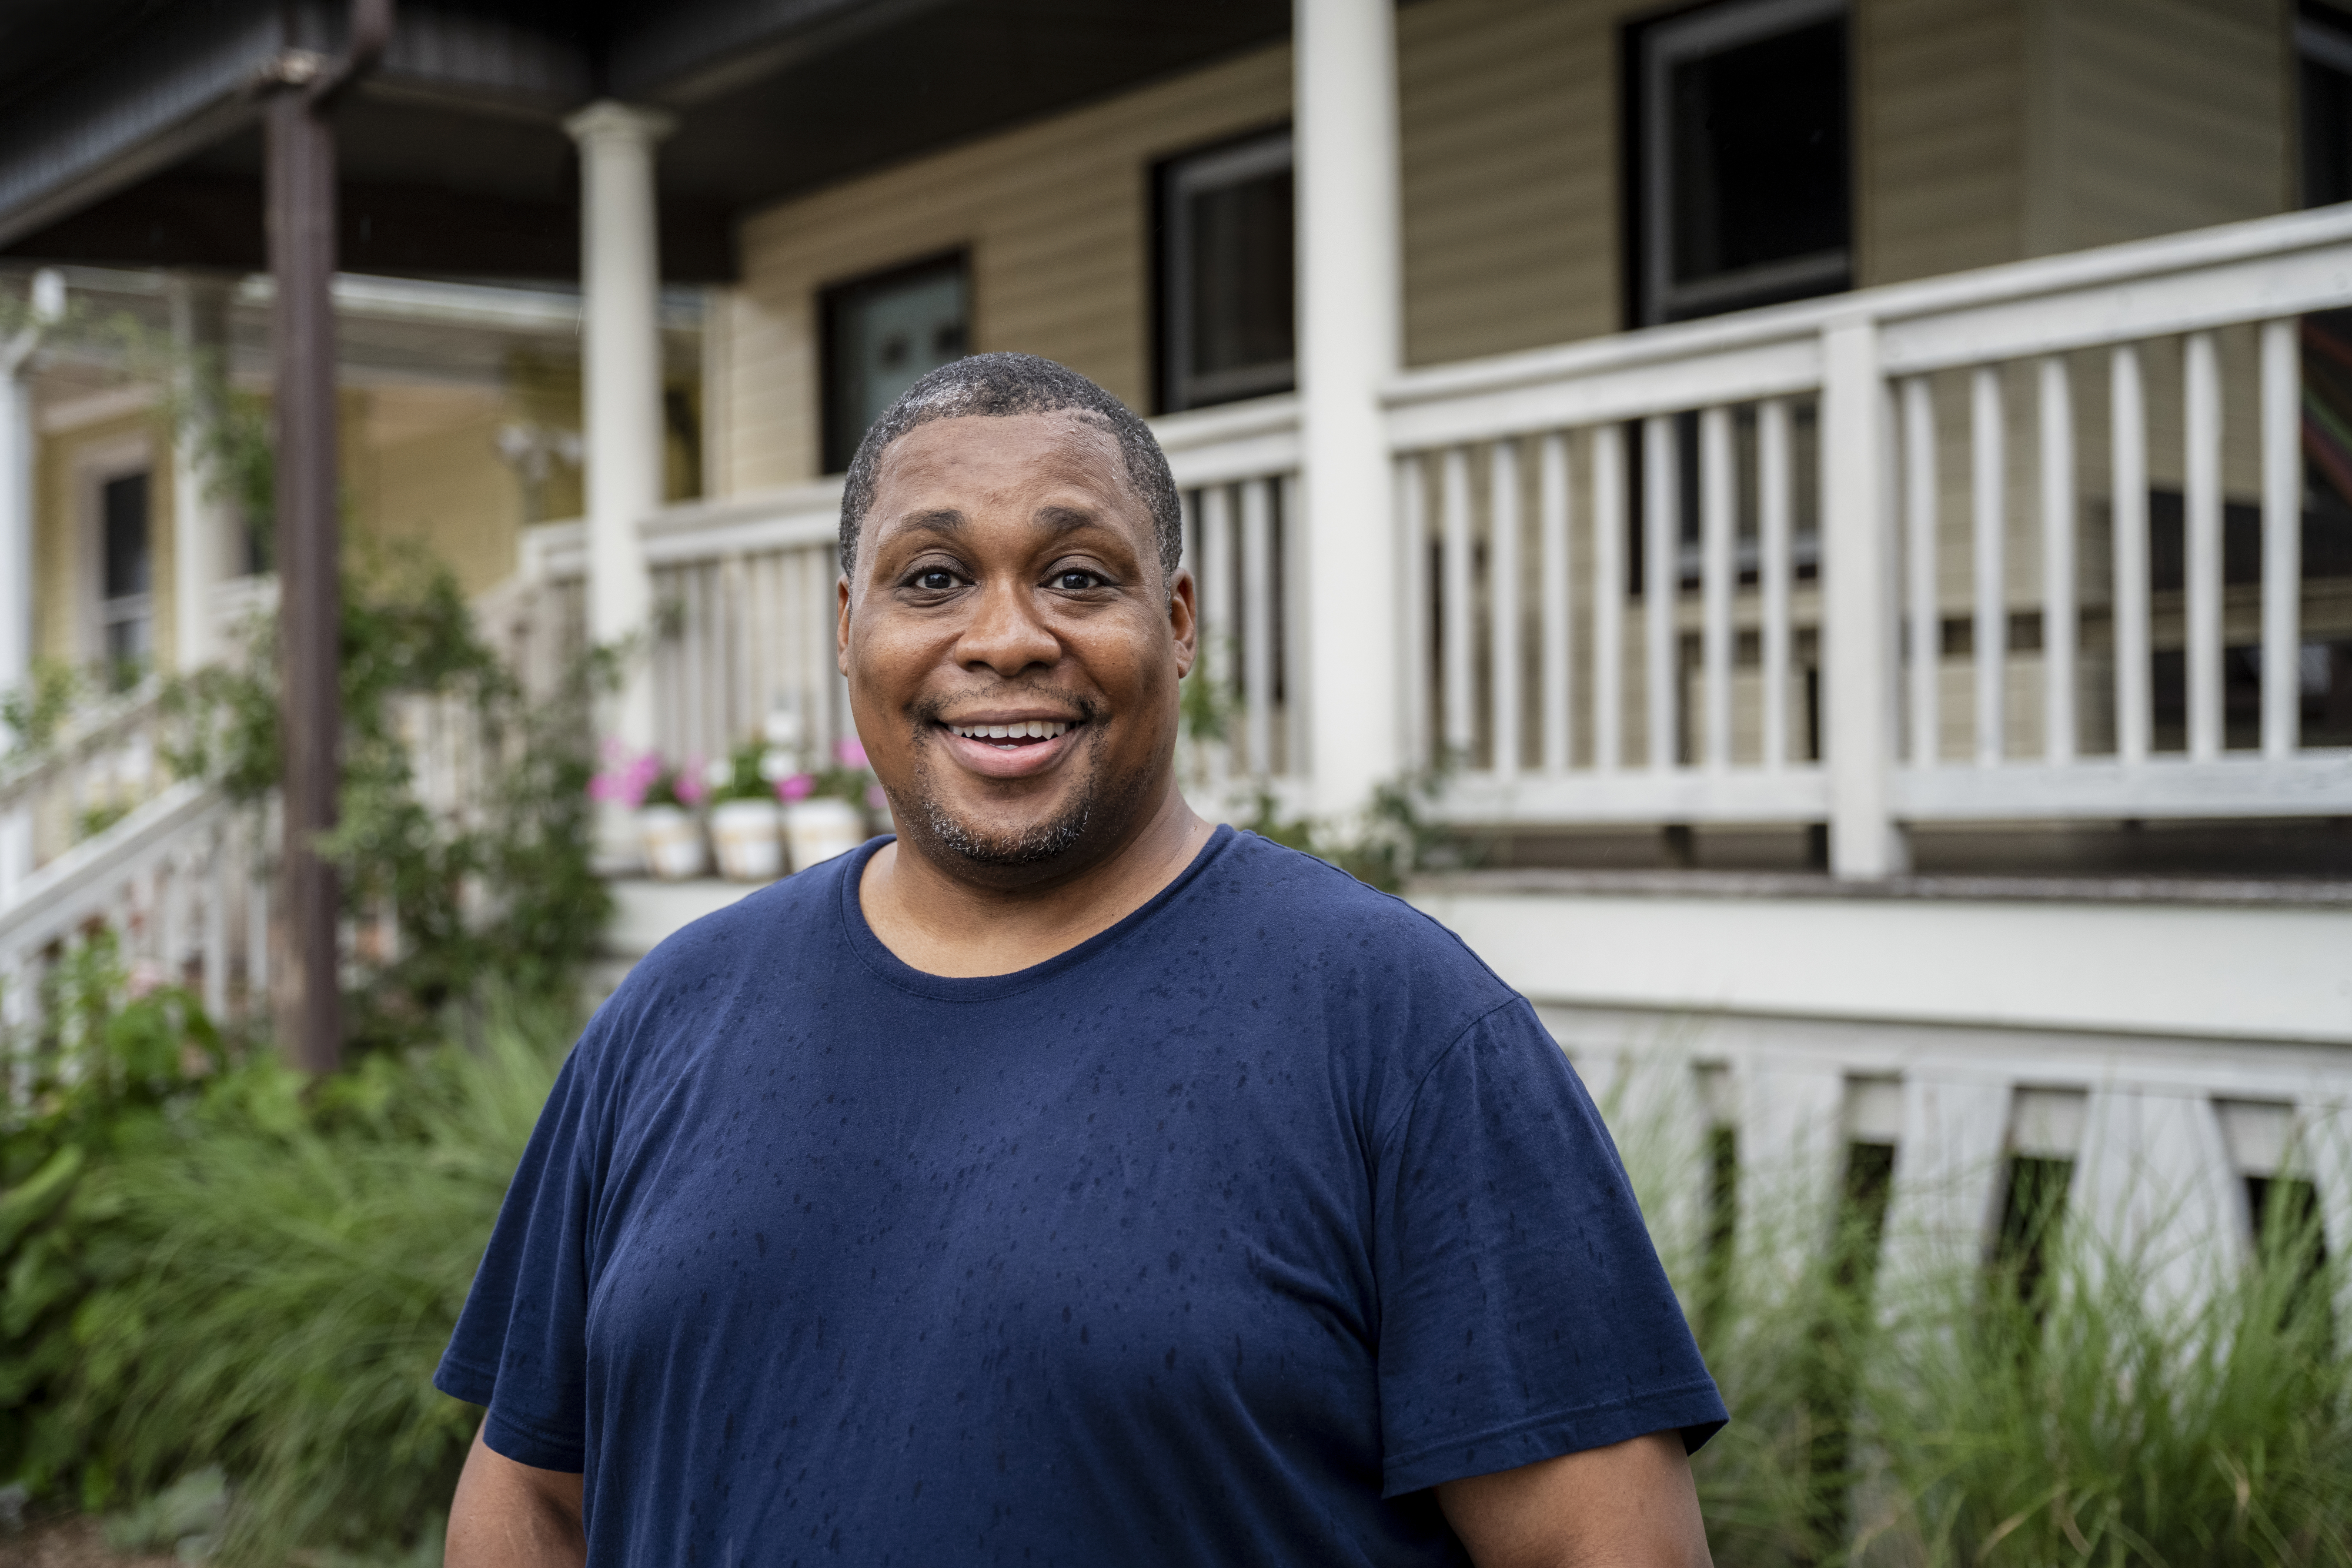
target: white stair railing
<point>180,881</point>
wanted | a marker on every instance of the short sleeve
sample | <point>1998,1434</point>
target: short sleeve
<point>1523,1313</point>
<point>519,1346</point>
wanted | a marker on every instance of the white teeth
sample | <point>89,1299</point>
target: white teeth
<point>1026,729</point>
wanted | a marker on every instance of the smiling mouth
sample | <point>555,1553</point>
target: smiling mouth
<point>1012,737</point>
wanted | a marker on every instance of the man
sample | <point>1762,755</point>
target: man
<point>1065,1182</point>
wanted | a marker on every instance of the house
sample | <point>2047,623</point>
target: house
<point>1847,502</point>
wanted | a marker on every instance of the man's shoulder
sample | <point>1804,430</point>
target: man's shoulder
<point>1303,910</point>
<point>763,937</point>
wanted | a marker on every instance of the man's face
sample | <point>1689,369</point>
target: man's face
<point>1011,648</point>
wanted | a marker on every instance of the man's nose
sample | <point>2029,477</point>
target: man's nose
<point>1006,634</point>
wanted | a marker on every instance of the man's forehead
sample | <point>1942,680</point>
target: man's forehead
<point>1043,462</point>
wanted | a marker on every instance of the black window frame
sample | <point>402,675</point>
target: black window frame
<point>837,444</point>
<point>1651,47</point>
<point>126,611</point>
<point>2323,42</point>
<point>1228,161</point>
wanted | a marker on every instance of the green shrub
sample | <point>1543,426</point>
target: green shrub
<point>2085,1421</point>
<point>1971,1414</point>
<point>102,1083</point>
<point>272,1270</point>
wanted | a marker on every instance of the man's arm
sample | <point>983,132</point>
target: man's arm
<point>1630,1505</point>
<point>509,1515</point>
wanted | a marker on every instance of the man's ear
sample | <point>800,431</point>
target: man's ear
<point>841,625</point>
<point>1183,622</point>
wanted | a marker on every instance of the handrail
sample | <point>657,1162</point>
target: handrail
<point>2004,283</point>
<point>56,887</point>
<point>91,732</point>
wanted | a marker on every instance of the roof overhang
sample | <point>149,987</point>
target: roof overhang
<point>133,138</point>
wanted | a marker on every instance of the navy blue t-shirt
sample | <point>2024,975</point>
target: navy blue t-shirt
<point>1217,1238</point>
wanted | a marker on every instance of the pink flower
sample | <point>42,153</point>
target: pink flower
<point>849,753</point>
<point>692,789</point>
<point>626,781</point>
<point>799,787</point>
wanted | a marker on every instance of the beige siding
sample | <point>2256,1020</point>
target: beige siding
<point>1986,131</point>
<point>2156,116</point>
<point>1940,123</point>
<point>1054,215</point>
<point>1508,114</point>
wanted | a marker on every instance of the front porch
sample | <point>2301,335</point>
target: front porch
<point>2035,544</point>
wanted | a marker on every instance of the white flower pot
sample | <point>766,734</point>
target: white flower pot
<point>821,829</point>
<point>748,838</point>
<point>672,841</point>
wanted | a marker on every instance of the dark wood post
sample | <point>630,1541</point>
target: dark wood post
<point>301,215</point>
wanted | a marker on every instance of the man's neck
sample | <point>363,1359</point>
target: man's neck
<point>945,924</point>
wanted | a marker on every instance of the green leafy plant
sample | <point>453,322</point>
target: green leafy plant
<point>750,772</point>
<point>502,890</point>
<point>32,713</point>
<point>1383,844</point>
<point>1960,1412</point>
<point>97,1082</point>
<point>278,1273</point>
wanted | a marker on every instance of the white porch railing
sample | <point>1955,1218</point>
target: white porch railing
<point>1892,636</point>
<point>1873,560</point>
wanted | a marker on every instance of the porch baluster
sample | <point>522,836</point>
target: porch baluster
<point>1715,523</point>
<point>1661,578</point>
<point>2060,615</point>
<point>1553,523</point>
<point>1988,481</point>
<point>2128,425</point>
<point>2282,394</point>
<point>2201,468</point>
<point>1609,529</point>
<point>1502,603</point>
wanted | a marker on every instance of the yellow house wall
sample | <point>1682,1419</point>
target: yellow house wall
<point>422,467</point>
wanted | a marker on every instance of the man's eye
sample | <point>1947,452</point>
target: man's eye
<point>935,579</point>
<point>1076,581</point>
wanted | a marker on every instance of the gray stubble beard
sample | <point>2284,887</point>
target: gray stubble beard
<point>1047,840</point>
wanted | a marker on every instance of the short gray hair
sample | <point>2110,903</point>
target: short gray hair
<point>995,386</point>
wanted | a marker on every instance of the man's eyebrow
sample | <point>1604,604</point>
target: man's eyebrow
<point>937,520</point>
<point>1064,519</point>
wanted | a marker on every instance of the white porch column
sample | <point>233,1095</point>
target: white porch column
<point>621,348</point>
<point>19,517</point>
<point>201,524</point>
<point>19,446</point>
<point>1349,329</point>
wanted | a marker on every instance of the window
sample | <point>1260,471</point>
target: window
<point>882,334</point>
<point>1227,279</point>
<point>125,575</point>
<point>2323,41</point>
<point>1740,158</point>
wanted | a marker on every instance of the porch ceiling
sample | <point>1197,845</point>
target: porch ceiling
<point>130,126</point>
